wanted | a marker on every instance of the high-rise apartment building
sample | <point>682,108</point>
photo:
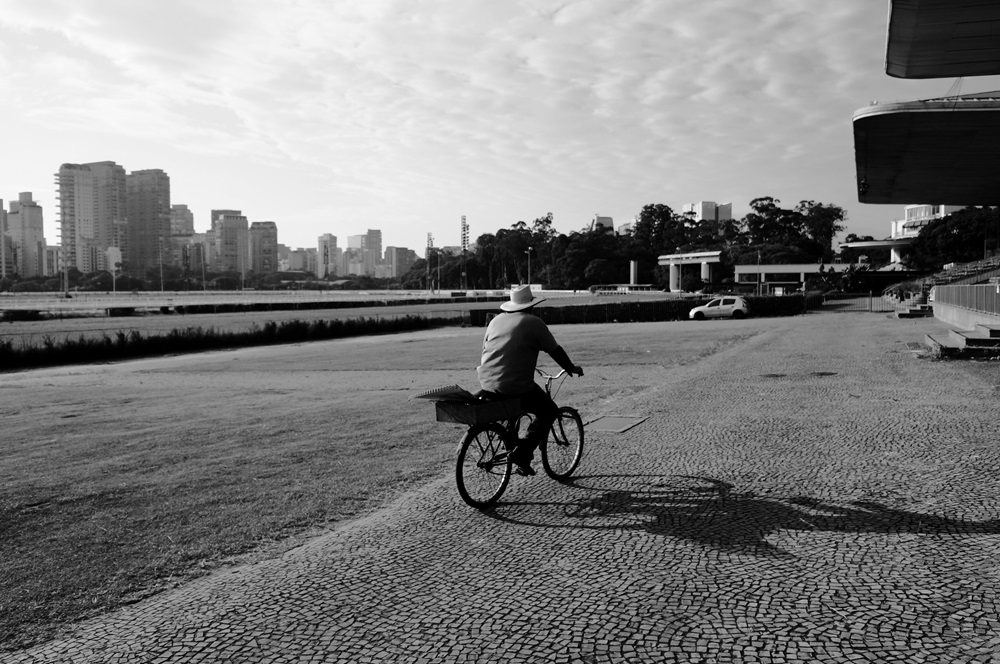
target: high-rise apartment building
<point>181,231</point>
<point>327,255</point>
<point>284,252</point>
<point>27,236</point>
<point>264,247</point>
<point>230,235</point>
<point>181,220</point>
<point>302,260</point>
<point>373,250</point>
<point>363,253</point>
<point>398,260</point>
<point>6,257</point>
<point>708,211</point>
<point>92,213</point>
<point>53,259</point>
<point>193,254</point>
<point>607,223</point>
<point>148,205</point>
<point>352,261</point>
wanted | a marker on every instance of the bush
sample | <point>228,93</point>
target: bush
<point>132,344</point>
<point>11,315</point>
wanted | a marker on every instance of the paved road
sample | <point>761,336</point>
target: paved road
<point>817,493</point>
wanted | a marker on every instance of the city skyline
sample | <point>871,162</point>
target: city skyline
<point>327,119</point>
<point>115,221</point>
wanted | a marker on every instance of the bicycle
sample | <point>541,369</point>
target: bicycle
<point>483,468</point>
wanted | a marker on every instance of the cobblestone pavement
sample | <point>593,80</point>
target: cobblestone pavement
<point>818,493</point>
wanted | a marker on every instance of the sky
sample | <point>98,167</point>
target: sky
<point>404,115</point>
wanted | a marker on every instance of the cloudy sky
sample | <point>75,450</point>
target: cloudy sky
<point>335,116</point>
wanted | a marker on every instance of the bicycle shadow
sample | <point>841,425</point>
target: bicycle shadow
<point>708,511</point>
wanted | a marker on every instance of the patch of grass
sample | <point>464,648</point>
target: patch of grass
<point>98,520</point>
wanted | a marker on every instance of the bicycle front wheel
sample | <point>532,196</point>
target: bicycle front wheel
<point>483,468</point>
<point>563,450</point>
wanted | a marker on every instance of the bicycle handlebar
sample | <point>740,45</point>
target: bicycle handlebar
<point>546,376</point>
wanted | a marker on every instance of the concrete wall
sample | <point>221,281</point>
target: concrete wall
<point>961,318</point>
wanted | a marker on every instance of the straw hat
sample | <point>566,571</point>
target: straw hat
<point>520,299</point>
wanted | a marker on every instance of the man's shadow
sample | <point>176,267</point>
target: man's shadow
<point>708,511</point>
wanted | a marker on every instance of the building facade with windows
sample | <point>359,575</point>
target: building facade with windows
<point>230,237</point>
<point>53,259</point>
<point>264,247</point>
<point>181,220</point>
<point>904,231</point>
<point>328,256</point>
<point>26,231</point>
<point>708,211</point>
<point>352,261</point>
<point>92,213</point>
<point>398,261</point>
<point>6,258</point>
<point>607,223</point>
<point>148,222</point>
<point>181,231</point>
<point>373,250</point>
<point>302,260</point>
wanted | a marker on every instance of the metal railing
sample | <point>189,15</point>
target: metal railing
<point>857,302</point>
<point>983,297</point>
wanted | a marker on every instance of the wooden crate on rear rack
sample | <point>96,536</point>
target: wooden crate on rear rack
<point>481,412</point>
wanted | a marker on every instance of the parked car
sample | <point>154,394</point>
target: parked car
<point>730,306</point>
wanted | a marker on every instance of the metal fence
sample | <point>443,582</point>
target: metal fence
<point>857,302</point>
<point>982,297</point>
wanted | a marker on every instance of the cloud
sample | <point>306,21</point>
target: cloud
<point>387,102</point>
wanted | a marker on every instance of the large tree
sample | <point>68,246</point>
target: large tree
<point>959,237</point>
<point>658,230</point>
<point>768,223</point>
<point>821,222</point>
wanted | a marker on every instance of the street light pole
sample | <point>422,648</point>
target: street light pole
<point>529,265</point>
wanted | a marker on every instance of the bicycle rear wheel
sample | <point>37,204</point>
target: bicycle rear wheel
<point>563,450</point>
<point>483,468</point>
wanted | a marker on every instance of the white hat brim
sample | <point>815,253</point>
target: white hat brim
<point>510,307</point>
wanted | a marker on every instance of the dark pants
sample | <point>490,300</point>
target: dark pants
<point>537,402</point>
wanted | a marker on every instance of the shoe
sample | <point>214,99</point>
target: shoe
<point>522,463</point>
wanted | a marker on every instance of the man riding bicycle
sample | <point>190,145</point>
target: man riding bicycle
<point>507,368</point>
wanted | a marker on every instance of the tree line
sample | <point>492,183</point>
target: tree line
<point>769,233</point>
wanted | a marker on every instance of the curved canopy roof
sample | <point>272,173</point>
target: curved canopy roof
<point>943,38</point>
<point>946,150</point>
